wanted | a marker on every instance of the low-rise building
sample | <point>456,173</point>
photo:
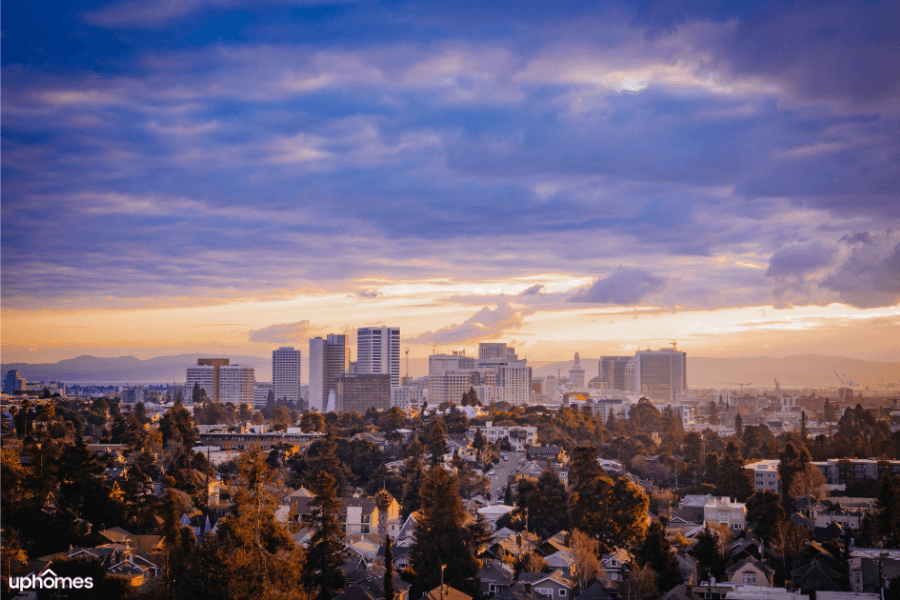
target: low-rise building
<point>765,475</point>
<point>727,512</point>
<point>518,437</point>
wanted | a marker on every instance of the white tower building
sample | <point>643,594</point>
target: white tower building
<point>378,352</point>
<point>286,374</point>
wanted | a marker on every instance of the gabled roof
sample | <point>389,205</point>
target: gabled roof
<point>448,593</point>
<point>814,568</point>
<point>495,571</point>
<point>594,592</point>
<point>767,570</point>
<point>536,578</point>
<point>620,554</point>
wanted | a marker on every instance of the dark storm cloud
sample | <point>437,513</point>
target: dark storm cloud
<point>800,259</point>
<point>625,286</point>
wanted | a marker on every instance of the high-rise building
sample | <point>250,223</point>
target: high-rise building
<point>327,357</point>
<point>659,375</point>
<point>361,392</point>
<point>438,364</point>
<point>378,351</point>
<point>13,383</point>
<point>493,350</point>
<point>237,384</point>
<point>221,381</point>
<point>286,374</point>
<point>612,371</point>
<point>576,374</point>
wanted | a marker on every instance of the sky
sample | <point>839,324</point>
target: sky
<point>232,176</point>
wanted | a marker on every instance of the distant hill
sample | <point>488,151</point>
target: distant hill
<point>808,370</point>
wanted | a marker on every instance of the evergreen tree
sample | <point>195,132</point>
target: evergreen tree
<point>764,512</point>
<point>413,474</point>
<point>441,536</point>
<point>793,460</point>
<point>656,551</point>
<point>713,413</point>
<point>887,520</point>
<point>324,557</point>
<point>738,425</point>
<point>829,411</point>
<point>388,592</point>
<point>437,441</point>
<point>546,501</point>
<point>196,394</point>
<point>734,480</point>
<point>710,562</point>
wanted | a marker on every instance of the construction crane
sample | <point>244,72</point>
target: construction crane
<point>674,345</point>
<point>839,377</point>
<point>742,387</point>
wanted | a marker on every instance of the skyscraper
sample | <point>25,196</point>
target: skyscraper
<point>221,381</point>
<point>206,375</point>
<point>576,374</point>
<point>327,358</point>
<point>660,375</point>
<point>612,371</point>
<point>286,374</point>
<point>378,352</point>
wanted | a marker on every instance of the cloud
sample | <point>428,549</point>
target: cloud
<point>798,260</point>
<point>484,324</point>
<point>533,290</point>
<point>625,286</point>
<point>367,293</point>
<point>870,275</point>
<point>284,332</point>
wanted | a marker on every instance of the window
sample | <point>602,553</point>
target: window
<point>750,578</point>
<point>562,592</point>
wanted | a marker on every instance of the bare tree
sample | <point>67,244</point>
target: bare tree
<point>640,584</point>
<point>587,563</point>
<point>808,481</point>
<point>723,538</point>
<point>533,563</point>
<point>789,540</point>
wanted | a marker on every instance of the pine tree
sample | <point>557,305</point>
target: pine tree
<point>793,460</point>
<point>441,536</point>
<point>764,512</point>
<point>388,587</point>
<point>324,557</point>
<point>734,480</point>
<point>413,474</point>
<point>656,551</point>
<point>738,426</point>
<point>437,442</point>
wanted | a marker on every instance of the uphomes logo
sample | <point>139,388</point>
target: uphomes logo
<point>48,580</point>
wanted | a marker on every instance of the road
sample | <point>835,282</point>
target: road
<point>503,472</point>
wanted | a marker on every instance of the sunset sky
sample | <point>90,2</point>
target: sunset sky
<point>231,176</point>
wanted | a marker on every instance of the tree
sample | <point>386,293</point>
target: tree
<point>713,410</point>
<point>710,561</point>
<point>282,418</point>
<point>764,512</point>
<point>793,461</point>
<point>586,552</point>
<point>829,411</point>
<point>387,589</point>
<point>655,551</point>
<point>640,584</point>
<point>442,539</point>
<point>734,480</point>
<point>738,425</point>
<point>312,422</point>
<point>196,394</point>
<point>324,557</point>
<point>383,502</point>
<point>437,441</point>
<point>788,541</point>
<point>252,555</point>
<point>809,481</point>
<point>887,520</point>
<point>546,502</point>
<point>413,474</point>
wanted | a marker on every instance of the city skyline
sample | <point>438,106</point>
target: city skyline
<point>232,177</point>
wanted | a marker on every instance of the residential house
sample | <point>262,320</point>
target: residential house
<point>727,512</point>
<point>445,592</point>
<point>549,453</point>
<point>553,585</point>
<point>494,578</point>
<point>750,572</point>
<point>615,564</point>
<point>815,576</point>
<point>359,515</point>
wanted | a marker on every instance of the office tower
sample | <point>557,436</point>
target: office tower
<point>513,376</point>
<point>576,374</point>
<point>612,371</point>
<point>237,384</point>
<point>438,365</point>
<point>206,373</point>
<point>286,374</point>
<point>327,357</point>
<point>487,351</point>
<point>362,391</point>
<point>378,351</point>
<point>659,375</point>
<point>13,383</point>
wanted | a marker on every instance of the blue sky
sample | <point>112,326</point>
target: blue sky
<point>692,156</point>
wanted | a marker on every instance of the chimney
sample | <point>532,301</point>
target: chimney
<point>528,587</point>
<point>567,539</point>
